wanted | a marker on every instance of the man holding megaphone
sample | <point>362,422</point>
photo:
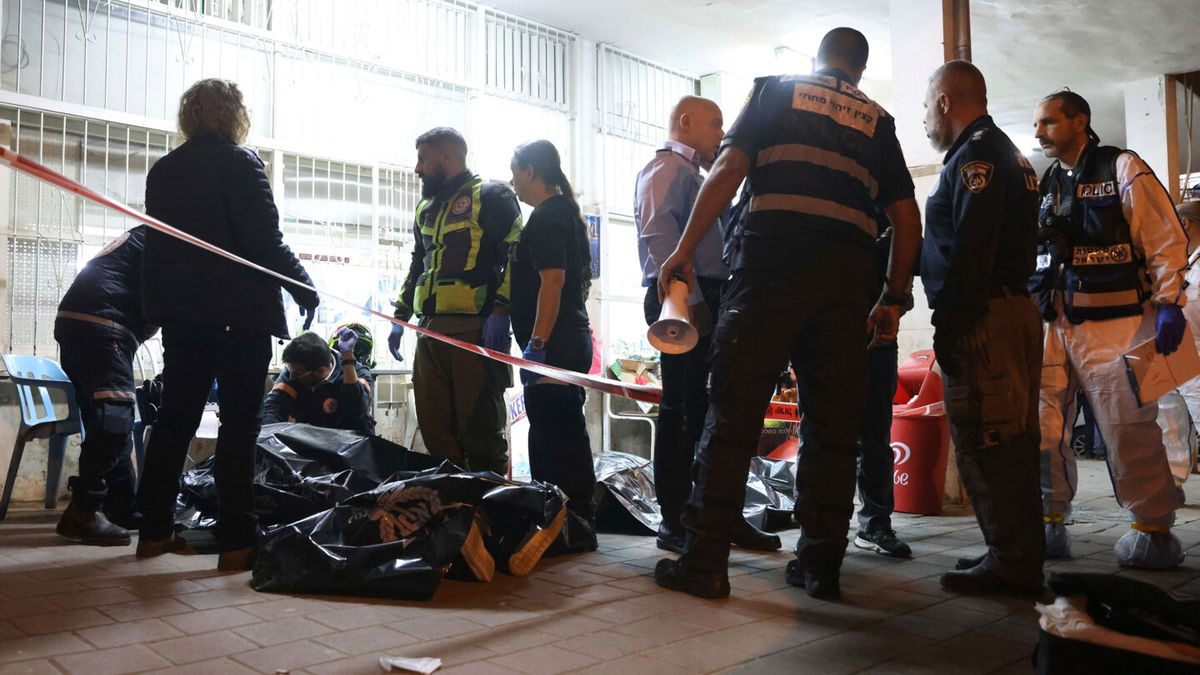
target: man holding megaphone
<point>821,158</point>
<point>681,325</point>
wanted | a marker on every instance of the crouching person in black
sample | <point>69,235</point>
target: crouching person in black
<point>322,387</point>
<point>98,328</point>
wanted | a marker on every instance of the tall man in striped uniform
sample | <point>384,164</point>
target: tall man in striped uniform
<point>822,159</point>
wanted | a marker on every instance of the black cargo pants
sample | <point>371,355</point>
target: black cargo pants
<point>813,313</point>
<point>992,405</point>
<point>99,361</point>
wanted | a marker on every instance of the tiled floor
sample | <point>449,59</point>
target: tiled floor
<point>75,609</point>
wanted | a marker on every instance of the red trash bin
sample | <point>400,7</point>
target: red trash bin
<point>920,437</point>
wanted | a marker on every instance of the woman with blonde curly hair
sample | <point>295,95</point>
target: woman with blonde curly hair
<point>217,316</point>
<point>214,105</point>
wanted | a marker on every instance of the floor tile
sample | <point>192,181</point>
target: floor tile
<point>200,647</point>
<point>130,632</point>
<point>127,659</point>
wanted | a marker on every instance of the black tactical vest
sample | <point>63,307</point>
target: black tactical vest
<point>1087,252</point>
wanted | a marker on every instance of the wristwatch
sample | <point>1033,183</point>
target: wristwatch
<point>536,342</point>
<point>904,302</point>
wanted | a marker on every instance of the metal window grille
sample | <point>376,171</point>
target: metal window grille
<point>50,233</point>
<point>527,60</point>
<point>327,204</point>
<point>635,96</point>
<point>623,158</point>
<point>399,193</point>
<point>317,88</point>
<point>38,268</point>
<point>432,38</point>
<point>125,57</point>
<point>256,13</point>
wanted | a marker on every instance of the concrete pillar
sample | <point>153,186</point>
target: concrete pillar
<point>1151,127</point>
<point>917,50</point>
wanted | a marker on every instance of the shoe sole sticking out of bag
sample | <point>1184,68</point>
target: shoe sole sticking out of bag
<point>482,564</point>
<point>530,551</point>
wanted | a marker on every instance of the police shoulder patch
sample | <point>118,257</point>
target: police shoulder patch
<point>977,175</point>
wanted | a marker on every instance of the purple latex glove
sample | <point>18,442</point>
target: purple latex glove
<point>347,338</point>
<point>495,333</point>
<point>394,341</point>
<point>528,377</point>
<point>1168,328</point>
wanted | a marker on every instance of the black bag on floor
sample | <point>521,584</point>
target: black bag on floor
<point>626,503</point>
<point>299,470</point>
<point>1127,606</point>
<point>402,538</point>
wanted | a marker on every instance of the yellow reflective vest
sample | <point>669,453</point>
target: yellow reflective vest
<point>460,256</point>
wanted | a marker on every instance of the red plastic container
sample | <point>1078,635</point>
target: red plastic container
<point>920,438</point>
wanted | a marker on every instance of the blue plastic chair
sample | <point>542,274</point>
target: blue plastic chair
<point>34,377</point>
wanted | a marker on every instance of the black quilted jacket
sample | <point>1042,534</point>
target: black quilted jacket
<point>218,191</point>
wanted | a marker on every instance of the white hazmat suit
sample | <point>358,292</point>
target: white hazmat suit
<point>1088,356</point>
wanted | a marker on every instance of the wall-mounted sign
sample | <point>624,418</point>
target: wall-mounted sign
<point>593,225</point>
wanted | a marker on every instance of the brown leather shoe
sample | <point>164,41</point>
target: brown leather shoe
<point>152,548</point>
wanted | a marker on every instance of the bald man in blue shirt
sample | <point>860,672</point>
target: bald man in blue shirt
<point>666,190</point>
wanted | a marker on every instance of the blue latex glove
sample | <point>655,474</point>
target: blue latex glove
<point>394,341</point>
<point>1168,328</point>
<point>495,333</point>
<point>347,338</point>
<point>309,313</point>
<point>528,377</point>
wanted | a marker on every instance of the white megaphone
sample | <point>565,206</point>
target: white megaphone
<point>673,333</point>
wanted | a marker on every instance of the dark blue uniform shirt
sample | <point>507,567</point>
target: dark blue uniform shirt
<point>332,404</point>
<point>980,227</point>
<point>110,286</point>
<point>824,159</point>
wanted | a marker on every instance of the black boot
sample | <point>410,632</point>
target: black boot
<point>703,571</point>
<point>90,528</point>
<point>821,582</point>
<point>671,538</point>
<point>750,537</point>
<point>676,575</point>
<point>968,563</point>
<point>979,580</point>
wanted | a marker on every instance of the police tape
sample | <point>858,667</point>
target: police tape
<point>32,168</point>
<point>649,394</point>
<point>790,412</point>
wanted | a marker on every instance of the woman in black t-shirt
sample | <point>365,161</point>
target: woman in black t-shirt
<point>551,273</point>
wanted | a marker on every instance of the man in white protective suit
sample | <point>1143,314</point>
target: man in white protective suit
<point>1111,257</point>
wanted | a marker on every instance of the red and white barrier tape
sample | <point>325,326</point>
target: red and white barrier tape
<point>775,411</point>
<point>32,168</point>
<point>789,412</point>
